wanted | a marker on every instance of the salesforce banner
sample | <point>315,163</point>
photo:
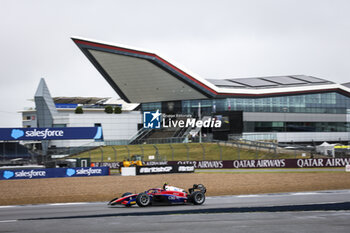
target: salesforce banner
<point>8,134</point>
<point>13,174</point>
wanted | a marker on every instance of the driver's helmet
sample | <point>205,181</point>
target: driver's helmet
<point>165,185</point>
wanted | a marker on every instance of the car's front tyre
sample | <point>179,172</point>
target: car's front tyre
<point>143,200</point>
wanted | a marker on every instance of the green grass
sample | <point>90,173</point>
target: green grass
<point>194,152</point>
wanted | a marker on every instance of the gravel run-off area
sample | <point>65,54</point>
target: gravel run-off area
<point>105,188</point>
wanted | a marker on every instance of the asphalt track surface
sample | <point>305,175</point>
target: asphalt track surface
<point>323,211</point>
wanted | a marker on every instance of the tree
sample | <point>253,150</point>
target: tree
<point>117,110</point>
<point>109,109</point>
<point>79,110</point>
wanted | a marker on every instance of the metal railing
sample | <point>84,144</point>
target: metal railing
<point>272,137</point>
<point>160,140</point>
<point>142,133</point>
<point>214,150</point>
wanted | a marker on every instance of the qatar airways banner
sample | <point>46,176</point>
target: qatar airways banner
<point>10,134</point>
<point>267,163</point>
<point>258,163</point>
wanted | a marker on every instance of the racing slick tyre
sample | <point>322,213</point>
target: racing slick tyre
<point>143,200</point>
<point>126,194</point>
<point>197,198</point>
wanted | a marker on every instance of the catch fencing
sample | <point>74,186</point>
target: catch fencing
<point>220,150</point>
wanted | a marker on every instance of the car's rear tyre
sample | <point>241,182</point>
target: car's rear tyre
<point>143,200</point>
<point>126,194</point>
<point>197,198</point>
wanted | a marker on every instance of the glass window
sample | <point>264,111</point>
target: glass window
<point>59,125</point>
<point>310,103</point>
<point>296,126</point>
<point>151,106</point>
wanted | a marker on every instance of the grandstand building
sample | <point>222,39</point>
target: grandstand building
<point>61,112</point>
<point>296,108</point>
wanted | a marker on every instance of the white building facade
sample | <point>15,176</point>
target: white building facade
<point>48,113</point>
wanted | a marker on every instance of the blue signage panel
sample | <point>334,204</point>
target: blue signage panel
<point>13,174</point>
<point>66,105</point>
<point>8,134</point>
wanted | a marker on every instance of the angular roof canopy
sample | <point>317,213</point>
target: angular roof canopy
<point>142,76</point>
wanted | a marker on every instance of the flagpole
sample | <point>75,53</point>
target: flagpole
<point>199,116</point>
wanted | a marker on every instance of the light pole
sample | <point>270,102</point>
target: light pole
<point>200,116</point>
<point>348,125</point>
<point>285,123</point>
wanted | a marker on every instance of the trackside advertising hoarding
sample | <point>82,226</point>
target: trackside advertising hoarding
<point>14,174</point>
<point>257,163</point>
<point>267,163</point>
<point>19,134</point>
<point>153,167</point>
<point>166,169</point>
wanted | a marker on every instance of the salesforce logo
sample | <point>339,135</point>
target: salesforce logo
<point>70,172</point>
<point>89,171</point>
<point>41,134</point>
<point>17,133</point>
<point>44,133</point>
<point>8,174</point>
<point>24,174</point>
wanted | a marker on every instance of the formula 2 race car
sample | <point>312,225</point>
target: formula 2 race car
<point>166,195</point>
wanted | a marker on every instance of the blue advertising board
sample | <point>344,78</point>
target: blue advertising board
<point>14,174</point>
<point>66,105</point>
<point>9,134</point>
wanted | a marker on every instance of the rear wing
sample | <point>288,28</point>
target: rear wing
<point>197,187</point>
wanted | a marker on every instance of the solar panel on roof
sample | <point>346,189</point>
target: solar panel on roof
<point>224,82</point>
<point>346,84</point>
<point>268,82</point>
<point>254,82</point>
<point>284,80</point>
<point>309,79</point>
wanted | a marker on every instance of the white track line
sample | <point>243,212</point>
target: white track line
<point>8,206</point>
<point>249,196</point>
<point>71,203</point>
<point>5,221</point>
<point>297,194</point>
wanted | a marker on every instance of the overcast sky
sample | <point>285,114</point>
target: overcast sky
<point>215,39</point>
